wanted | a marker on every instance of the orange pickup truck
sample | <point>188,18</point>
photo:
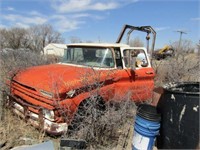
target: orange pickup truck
<point>49,96</point>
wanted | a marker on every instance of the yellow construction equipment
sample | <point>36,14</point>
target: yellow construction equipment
<point>166,51</point>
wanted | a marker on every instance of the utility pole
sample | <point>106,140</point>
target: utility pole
<point>180,39</point>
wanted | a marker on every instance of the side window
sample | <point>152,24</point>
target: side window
<point>138,55</point>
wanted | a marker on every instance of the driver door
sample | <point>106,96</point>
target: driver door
<point>136,79</point>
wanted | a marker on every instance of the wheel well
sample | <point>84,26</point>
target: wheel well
<point>82,110</point>
<point>98,100</point>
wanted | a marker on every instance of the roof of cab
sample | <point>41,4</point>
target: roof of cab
<point>99,44</point>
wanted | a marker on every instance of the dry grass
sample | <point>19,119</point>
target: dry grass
<point>185,67</point>
<point>104,132</point>
<point>14,131</point>
<point>107,132</point>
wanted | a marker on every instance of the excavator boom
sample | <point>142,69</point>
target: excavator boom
<point>148,29</point>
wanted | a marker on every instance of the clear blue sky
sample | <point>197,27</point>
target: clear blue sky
<point>93,20</point>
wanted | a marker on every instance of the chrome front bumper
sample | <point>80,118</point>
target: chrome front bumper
<point>37,120</point>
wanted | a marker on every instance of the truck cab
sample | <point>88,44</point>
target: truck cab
<point>129,67</point>
<point>49,96</point>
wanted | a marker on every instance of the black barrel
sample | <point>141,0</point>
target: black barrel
<point>179,108</point>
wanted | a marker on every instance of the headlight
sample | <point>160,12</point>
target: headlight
<point>46,93</point>
<point>71,93</point>
<point>48,114</point>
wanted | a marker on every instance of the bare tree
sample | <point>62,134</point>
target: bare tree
<point>185,47</point>
<point>74,39</point>
<point>14,38</point>
<point>136,42</point>
<point>3,41</point>
<point>34,38</point>
<point>198,48</point>
<point>41,35</point>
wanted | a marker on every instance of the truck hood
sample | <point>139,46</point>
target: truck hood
<point>59,77</point>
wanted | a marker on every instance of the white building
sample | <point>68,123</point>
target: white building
<point>55,49</point>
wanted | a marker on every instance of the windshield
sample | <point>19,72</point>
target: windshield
<point>89,56</point>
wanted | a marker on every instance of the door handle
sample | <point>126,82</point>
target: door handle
<point>116,79</point>
<point>149,72</point>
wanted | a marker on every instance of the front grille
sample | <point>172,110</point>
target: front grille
<point>30,95</point>
<point>25,86</point>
